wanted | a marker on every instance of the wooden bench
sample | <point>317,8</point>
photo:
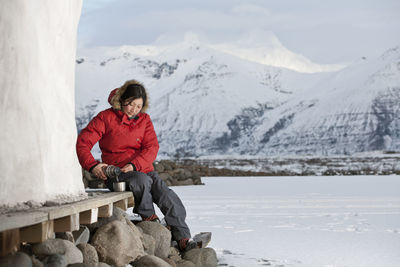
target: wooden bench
<point>38,225</point>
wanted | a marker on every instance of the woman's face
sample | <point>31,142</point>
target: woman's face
<point>132,107</point>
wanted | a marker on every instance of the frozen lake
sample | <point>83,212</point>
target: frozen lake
<point>298,221</point>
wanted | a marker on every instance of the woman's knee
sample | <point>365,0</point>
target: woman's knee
<point>140,179</point>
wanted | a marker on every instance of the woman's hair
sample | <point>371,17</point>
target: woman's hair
<point>134,91</point>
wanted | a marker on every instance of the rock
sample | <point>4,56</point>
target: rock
<point>160,234</point>
<point>36,262</point>
<point>170,262</point>
<point>138,231</point>
<point>18,259</point>
<point>117,243</point>
<point>26,248</point>
<point>158,167</point>
<point>173,251</point>
<point>90,257</point>
<point>80,265</point>
<point>117,215</point>
<point>175,258</point>
<point>203,237</point>
<point>188,181</point>
<point>179,174</point>
<point>59,246</point>
<point>165,177</point>
<point>150,261</point>
<point>185,263</point>
<point>102,264</point>
<point>66,236</point>
<point>55,260</point>
<point>149,244</point>
<point>82,235</point>
<point>187,174</point>
<point>202,257</point>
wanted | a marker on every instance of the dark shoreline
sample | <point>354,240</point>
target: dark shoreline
<point>189,171</point>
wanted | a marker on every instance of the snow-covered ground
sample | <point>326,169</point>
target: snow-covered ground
<point>298,221</point>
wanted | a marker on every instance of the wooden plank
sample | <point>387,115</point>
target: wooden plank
<point>122,204</point>
<point>131,202</point>
<point>15,220</point>
<point>9,242</point>
<point>67,224</point>
<point>106,210</point>
<point>20,219</point>
<point>37,233</point>
<point>87,204</point>
<point>89,216</point>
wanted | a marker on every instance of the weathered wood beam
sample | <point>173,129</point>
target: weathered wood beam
<point>131,202</point>
<point>89,216</point>
<point>9,242</point>
<point>37,233</point>
<point>67,224</point>
<point>106,211</point>
<point>122,204</point>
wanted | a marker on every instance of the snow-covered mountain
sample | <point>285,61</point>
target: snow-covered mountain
<point>209,100</point>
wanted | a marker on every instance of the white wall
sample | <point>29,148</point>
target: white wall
<point>37,114</point>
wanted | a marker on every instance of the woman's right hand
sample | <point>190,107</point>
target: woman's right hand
<point>98,171</point>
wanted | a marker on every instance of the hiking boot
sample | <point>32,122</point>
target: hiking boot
<point>186,244</point>
<point>152,218</point>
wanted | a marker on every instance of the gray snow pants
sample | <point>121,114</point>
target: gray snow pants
<point>149,188</point>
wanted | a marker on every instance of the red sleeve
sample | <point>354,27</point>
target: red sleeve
<point>87,138</point>
<point>148,153</point>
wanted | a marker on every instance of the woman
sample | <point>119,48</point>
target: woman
<point>127,140</point>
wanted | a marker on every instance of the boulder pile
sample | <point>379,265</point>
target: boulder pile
<point>170,172</point>
<point>113,241</point>
<point>175,174</point>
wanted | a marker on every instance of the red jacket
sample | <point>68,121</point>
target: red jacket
<point>121,140</point>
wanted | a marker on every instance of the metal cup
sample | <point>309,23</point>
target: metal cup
<point>119,187</point>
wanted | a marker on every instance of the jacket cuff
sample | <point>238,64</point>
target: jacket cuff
<point>91,168</point>
<point>133,165</point>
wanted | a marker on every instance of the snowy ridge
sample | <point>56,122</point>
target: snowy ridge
<point>207,102</point>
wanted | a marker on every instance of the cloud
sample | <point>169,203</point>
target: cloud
<point>324,31</point>
<point>246,10</point>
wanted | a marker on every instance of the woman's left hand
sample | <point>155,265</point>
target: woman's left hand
<point>127,168</point>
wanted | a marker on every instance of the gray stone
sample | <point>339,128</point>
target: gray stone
<point>102,264</point>
<point>188,181</point>
<point>18,259</point>
<point>59,246</point>
<point>117,215</point>
<point>187,174</point>
<point>150,261</point>
<point>179,174</point>
<point>203,237</point>
<point>90,257</point>
<point>55,260</point>
<point>66,236</point>
<point>82,235</point>
<point>167,166</point>
<point>170,262</point>
<point>36,262</point>
<point>136,230</point>
<point>26,248</point>
<point>160,234</point>
<point>117,243</point>
<point>149,244</point>
<point>80,265</point>
<point>185,263</point>
<point>173,251</point>
<point>166,177</point>
<point>202,257</point>
<point>158,167</point>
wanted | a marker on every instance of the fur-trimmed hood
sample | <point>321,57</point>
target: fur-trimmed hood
<point>115,96</point>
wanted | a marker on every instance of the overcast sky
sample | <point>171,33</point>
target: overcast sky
<point>324,31</point>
